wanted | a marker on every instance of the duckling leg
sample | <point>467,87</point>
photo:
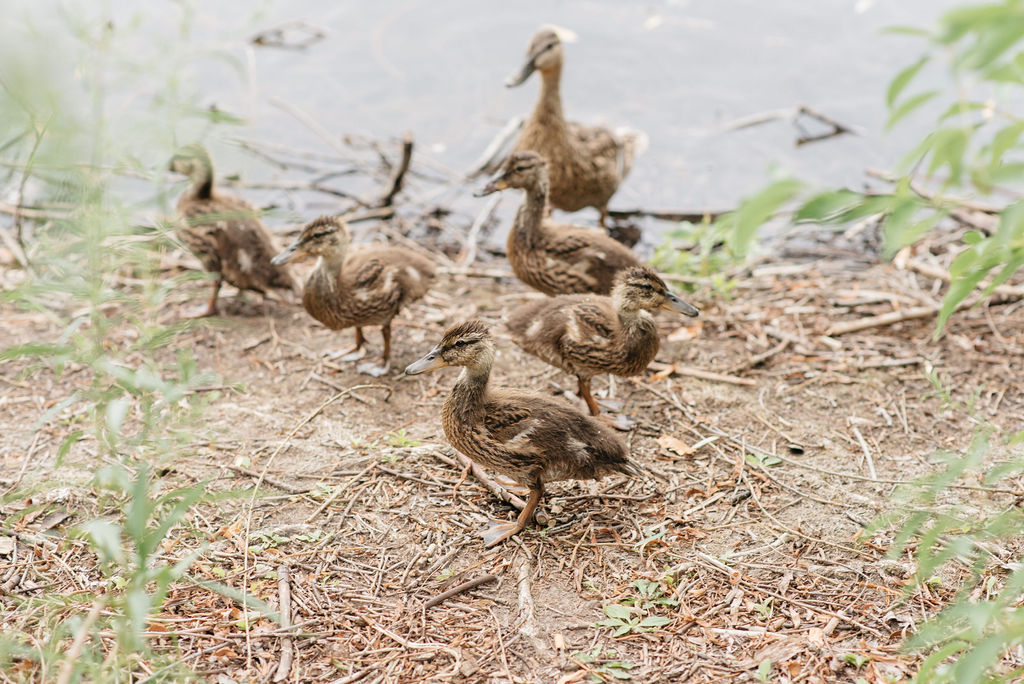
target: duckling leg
<point>617,421</point>
<point>500,531</point>
<point>353,354</point>
<point>380,366</point>
<point>585,395</point>
<point>604,217</point>
<point>211,307</point>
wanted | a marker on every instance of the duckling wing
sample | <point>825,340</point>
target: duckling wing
<point>573,332</point>
<point>553,441</point>
<point>391,271</point>
<point>592,257</point>
<point>226,234</point>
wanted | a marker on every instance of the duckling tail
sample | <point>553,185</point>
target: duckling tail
<point>632,143</point>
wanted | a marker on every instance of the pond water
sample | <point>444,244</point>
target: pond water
<point>680,70</point>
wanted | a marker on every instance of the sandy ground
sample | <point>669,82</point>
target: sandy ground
<point>744,544</point>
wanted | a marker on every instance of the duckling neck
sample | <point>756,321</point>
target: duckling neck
<point>549,105</point>
<point>530,216</point>
<point>321,291</point>
<point>466,400</point>
<point>637,324</point>
<point>202,185</point>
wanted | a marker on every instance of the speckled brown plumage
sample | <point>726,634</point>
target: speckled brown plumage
<point>364,287</point>
<point>588,334</point>
<point>552,257</point>
<point>523,435</point>
<point>587,163</point>
<point>224,232</point>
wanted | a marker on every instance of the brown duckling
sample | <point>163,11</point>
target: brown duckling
<point>587,163</point>
<point>551,257</point>
<point>522,435</point>
<point>224,232</point>
<point>587,334</point>
<point>354,289</point>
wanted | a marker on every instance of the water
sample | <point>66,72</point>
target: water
<point>679,70</point>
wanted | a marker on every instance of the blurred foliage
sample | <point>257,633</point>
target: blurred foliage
<point>92,100</point>
<point>973,145</point>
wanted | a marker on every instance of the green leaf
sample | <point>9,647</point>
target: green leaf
<point>654,621</point>
<point>908,106</point>
<point>624,629</point>
<point>828,205</point>
<point>116,412</point>
<point>65,446</point>
<point>1004,139</point>
<point>105,538</point>
<point>903,79</point>
<point>754,211</point>
<point>947,149</point>
<point>617,610</point>
<point>906,31</point>
<point>963,261</point>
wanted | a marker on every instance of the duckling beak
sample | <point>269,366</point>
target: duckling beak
<point>287,255</point>
<point>494,186</point>
<point>432,361</point>
<point>674,303</point>
<point>523,74</point>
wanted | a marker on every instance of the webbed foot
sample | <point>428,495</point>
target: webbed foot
<point>499,531</point>
<point>351,354</point>
<point>375,368</point>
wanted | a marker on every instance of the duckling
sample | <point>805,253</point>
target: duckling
<point>355,289</point>
<point>522,435</point>
<point>586,163</point>
<point>224,232</point>
<point>586,334</point>
<point>551,257</point>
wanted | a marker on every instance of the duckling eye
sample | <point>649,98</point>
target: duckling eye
<point>521,168</point>
<point>460,343</point>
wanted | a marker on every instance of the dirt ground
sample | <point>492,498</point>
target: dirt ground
<point>746,538</point>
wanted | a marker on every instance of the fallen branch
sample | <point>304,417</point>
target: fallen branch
<point>398,177</point>
<point>794,114</point>
<point>714,377</point>
<point>284,591</point>
<point>277,37</point>
<point>469,248</point>
<point>491,158</point>
<point>911,314</point>
<point>669,215</point>
<point>943,275</point>
<point>758,359</point>
<point>458,589</point>
<point>273,482</point>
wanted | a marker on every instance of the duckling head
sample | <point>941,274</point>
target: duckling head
<point>640,288</point>
<point>543,54</point>
<point>326,237</point>
<point>524,170</point>
<point>193,161</point>
<point>467,344</point>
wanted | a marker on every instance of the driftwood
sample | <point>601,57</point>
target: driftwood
<point>492,156</point>
<point>793,114</point>
<point>398,176</point>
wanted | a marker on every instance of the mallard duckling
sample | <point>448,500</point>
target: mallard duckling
<point>355,289</point>
<point>224,232</point>
<point>586,334</point>
<point>525,436</point>
<point>551,257</point>
<point>586,163</point>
